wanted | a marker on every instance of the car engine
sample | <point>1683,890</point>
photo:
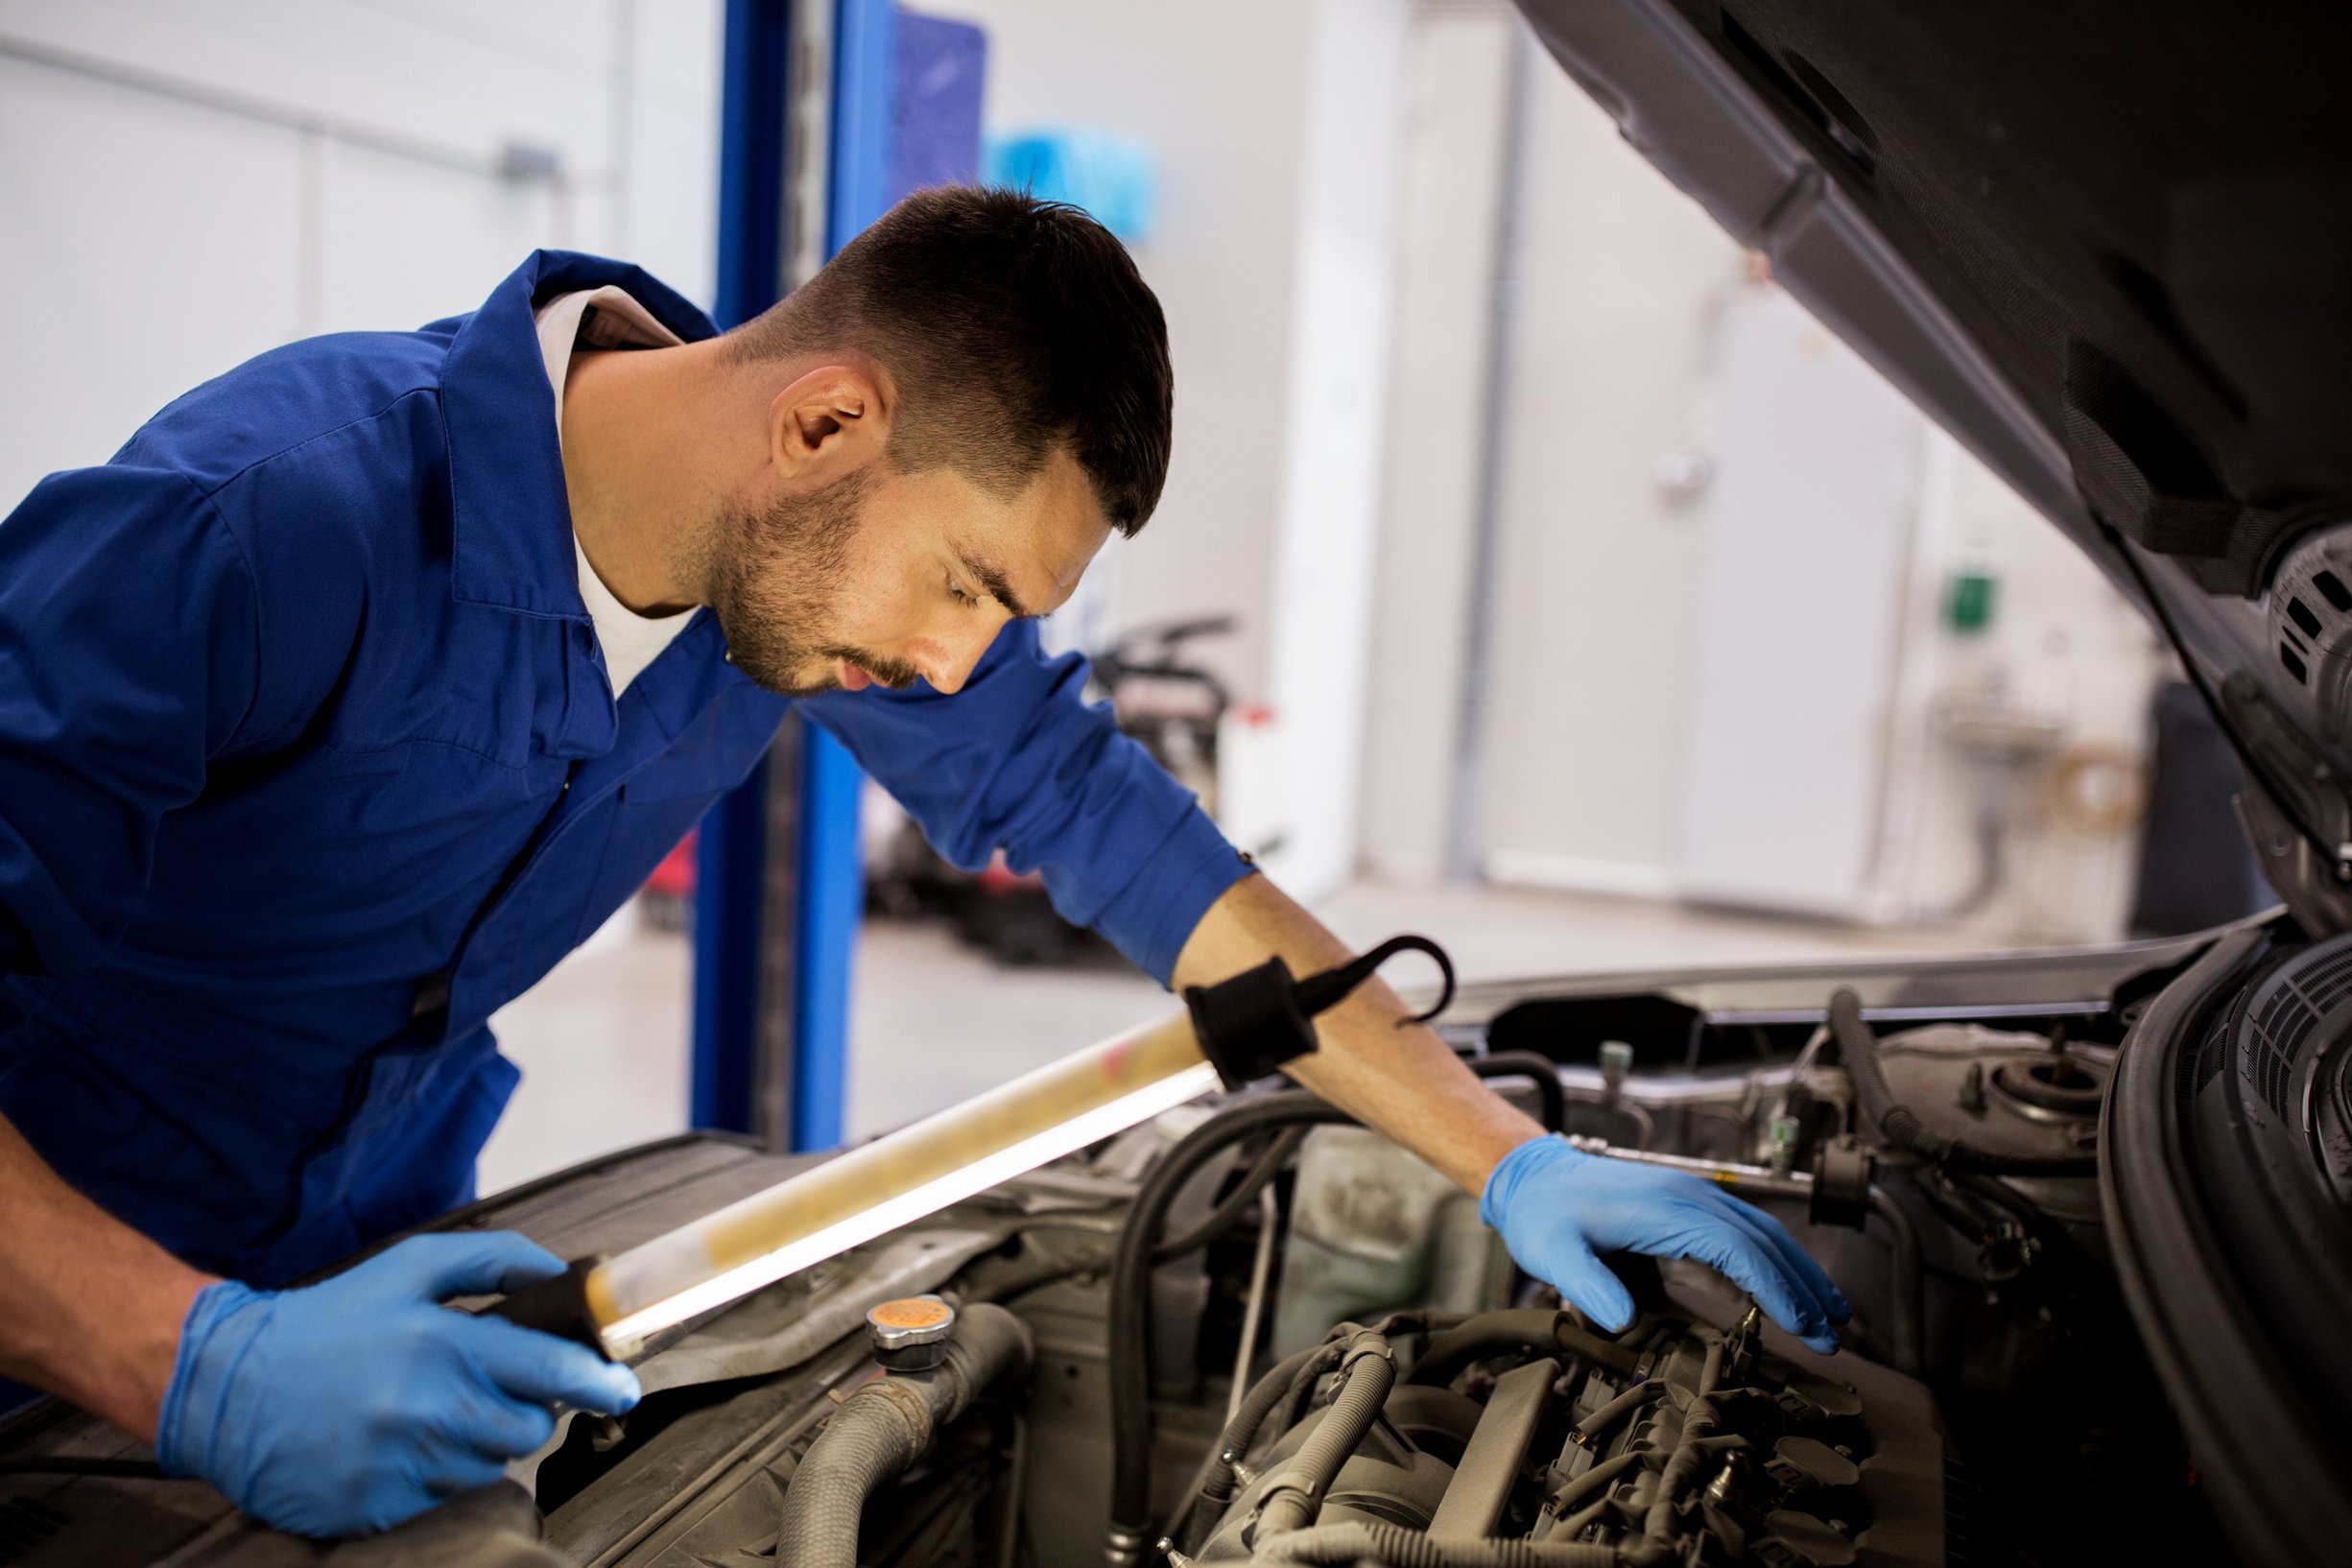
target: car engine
<point>1251,1331</point>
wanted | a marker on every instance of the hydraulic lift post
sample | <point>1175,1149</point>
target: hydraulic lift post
<point>798,178</point>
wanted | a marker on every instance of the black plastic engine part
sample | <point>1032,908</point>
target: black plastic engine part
<point>1841,1178</point>
<point>1904,1129</point>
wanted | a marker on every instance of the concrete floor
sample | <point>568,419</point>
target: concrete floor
<point>603,1041</point>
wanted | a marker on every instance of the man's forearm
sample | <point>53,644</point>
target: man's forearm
<point>89,1309</point>
<point>1405,1081</point>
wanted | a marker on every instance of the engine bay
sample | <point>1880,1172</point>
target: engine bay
<point>1252,1331</point>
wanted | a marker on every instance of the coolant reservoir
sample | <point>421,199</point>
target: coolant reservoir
<point>1374,1228</point>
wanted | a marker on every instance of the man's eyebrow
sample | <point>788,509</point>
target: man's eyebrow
<point>1000,591</point>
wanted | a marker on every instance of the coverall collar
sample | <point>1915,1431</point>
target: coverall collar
<point>510,520</point>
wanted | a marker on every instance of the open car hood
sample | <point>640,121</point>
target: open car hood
<point>2107,246</point>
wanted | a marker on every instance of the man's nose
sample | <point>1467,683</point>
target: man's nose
<point>950,661</point>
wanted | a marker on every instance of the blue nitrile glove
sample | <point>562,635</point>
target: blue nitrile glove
<point>351,1405</point>
<point>1559,1207</point>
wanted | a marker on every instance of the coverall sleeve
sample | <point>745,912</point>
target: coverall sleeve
<point>1018,760</point>
<point>129,657</point>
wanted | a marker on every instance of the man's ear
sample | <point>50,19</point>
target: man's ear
<point>832,418</point>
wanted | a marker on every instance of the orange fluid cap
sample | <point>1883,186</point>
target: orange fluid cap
<point>909,1321</point>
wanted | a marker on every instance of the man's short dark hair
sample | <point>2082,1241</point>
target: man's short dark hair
<point>1012,326</point>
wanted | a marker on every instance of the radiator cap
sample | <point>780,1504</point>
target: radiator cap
<point>911,1334</point>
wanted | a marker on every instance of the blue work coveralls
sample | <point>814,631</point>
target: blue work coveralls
<point>309,762</point>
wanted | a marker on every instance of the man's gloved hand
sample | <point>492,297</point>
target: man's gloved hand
<point>1558,1208</point>
<point>351,1405</point>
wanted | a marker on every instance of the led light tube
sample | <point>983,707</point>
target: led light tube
<point>896,1179</point>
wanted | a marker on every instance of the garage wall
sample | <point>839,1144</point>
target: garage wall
<point>2063,644</point>
<point>1585,773</point>
<point>1322,569</point>
<point>188,183</point>
<point>1582,745</point>
<point>1457,102</point>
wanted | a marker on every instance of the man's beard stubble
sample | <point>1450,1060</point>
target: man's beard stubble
<point>773,587</point>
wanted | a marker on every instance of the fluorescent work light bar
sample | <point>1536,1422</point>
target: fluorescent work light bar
<point>877,1187</point>
<point>1235,1032</point>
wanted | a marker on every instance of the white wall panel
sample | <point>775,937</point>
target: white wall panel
<point>402,243</point>
<point>1794,616</point>
<point>1450,172</point>
<point>467,78</point>
<point>1591,623</point>
<point>145,245</point>
<point>185,184</point>
<point>668,196</point>
<point>1336,400</point>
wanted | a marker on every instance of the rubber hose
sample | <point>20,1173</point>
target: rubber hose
<point>1396,1326</point>
<point>1597,1425</point>
<point>1541,1071</point>
<point>1593,1481</point>
<point>1535,1330</point>
<point>1681,1472</point>
<point>1215,1488</point>
<point>1264,1394</point>
<point>884,1428</point>
<point>1222,1219</point>
<point>868,1443</point>
<point>1130,1384</point>
<point>1295,1376</point>
<point>1858,1047</point>
<point>1131,1278</point>
<point>1612,1353</point>
<point>1397,1547</point>
<point>1901,1127</point>
<point>1494,1334</point>
<point>1295,1496</point>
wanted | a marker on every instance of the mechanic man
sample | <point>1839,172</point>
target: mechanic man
<point>371,676</point>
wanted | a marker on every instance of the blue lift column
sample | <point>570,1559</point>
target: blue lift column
<point>731,842</point>
<point>779,868</point>
<point>831,894</point>
<point>743,1062</point>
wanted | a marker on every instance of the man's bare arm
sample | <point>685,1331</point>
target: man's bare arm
<point>89,1309</point>
<point>1405,1081</point>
